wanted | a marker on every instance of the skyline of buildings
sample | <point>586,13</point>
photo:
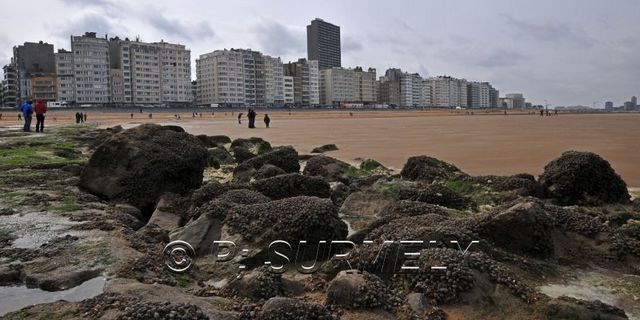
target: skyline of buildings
<point>122,72</point>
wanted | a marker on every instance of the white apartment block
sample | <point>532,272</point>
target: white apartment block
<point>311,84</point>
<point>274,80</point>
<point>239,77</point>
<point>479,95</point>
<point>410,89</point>
<point>448,92</point>
<point>426,98</point>
<point>90,69</point>
<point>220,77</point>
<point>175,73</point>
<point>337,85</point>
<point>66,78</point>
<point>289,91</point>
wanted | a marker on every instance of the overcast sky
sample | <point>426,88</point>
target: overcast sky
<point>566,51</point>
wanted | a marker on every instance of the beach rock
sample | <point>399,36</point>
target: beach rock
<point>243,173</point>
<point>436,194</point>
<point>279,308</point>
<point>286,158</point>
<point>522,184</point>
<point>207,192</point>
<point>221,205</point>
<point>219,156</point>
<point>570,308</point>
<point>419,308</point>
<point>339,192</point>
<point>268,171</point>
<point>292,185</point>
<point>164,216</point>
<point>406,208</point>
<point>352,289</point>
<point>583,178</point>
<point>241,154</point>
<point>429,169</point>
<point>365,204</point>
<point>200,233</point>
<point>213,141</point>
<point>257,284</point>
<point>325,148</point>
<point>140,164</point>
<point>292,219</point>
<point>329,168</point>
<point>523,228</point>
<point>254,144</point>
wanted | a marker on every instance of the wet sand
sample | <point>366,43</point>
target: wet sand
<point>479,144</point>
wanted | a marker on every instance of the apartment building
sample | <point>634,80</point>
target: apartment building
<point>306,81</point>
<point>366,86</point>
<point>42,87</point>
<point>481,95</point>
<point>389,87</point>
<point>410,89</point>
<point>91,69</point>
<point>448,92</point>
<point>323,44</point>
<point>239,77</point>
<point>10,86</point>
<point>426,98</point>
<point>175,73</point>
<point>337,85</point>
<point>274,81</point>
<point>65,76</point>
<point>32,59</point>
<point>289,91</point>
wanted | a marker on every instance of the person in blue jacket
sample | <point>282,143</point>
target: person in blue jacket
<point>27,112</point>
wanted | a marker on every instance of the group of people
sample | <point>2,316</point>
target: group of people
<point>81,117</point>
<point>27,109</point>
<point>251,115</point>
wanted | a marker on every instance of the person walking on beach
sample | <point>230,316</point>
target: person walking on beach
<point>267,120</point>
<point>541,112</point>
<point>41,109</point>
<point>132,114</point>
<point>85,117</point>
<point>77,117</point>
<point>81,117</point>
<point>19,116</point>
<point>240,118</point>
<point>252,118</point>
<point>27,111</point>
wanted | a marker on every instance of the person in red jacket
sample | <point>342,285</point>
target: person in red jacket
<point>41,109</point>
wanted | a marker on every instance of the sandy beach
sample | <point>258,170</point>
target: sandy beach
<point>479,144</point>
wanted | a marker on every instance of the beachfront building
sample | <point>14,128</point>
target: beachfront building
<point>289,91</point>
<point>426,98</point>
<point>239,77</point>
<point>513,101</point>
<point>9,86</point>
<point>151,73</point>
<point>448,92</point>
<point>342,85</point>
<point>65,77</point>
<point>274,81</point>
<point>32,59</point>
<point>481,95</point>
<point>366,86</point>
<point>337,86</point>
<point>42,87</point>
<point>306,81</point>
<point>389,87</point>
<point>90,69</point>
<point>323,44</point>
<point>410,89</point>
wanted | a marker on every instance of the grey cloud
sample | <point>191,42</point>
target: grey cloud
<point>486,58</point>
<point>555,32</point>
<point>91,22</point>
<point>277,39</point>
<point>350,44</point>
<point>174,27</point>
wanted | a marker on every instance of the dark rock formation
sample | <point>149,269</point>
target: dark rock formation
<point>279,308</point>
<point>429,169</point>
<point>583,178</point>
<point>286,158</point>
<point>355,290</point>
<point>140,164</point>
<point>436,194</point>
<point>325,148</point>
<point>571,308</point>
<point>268,171</point>
<point>254,144</point>
<point>326,167</point>
<point>292,185</point>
